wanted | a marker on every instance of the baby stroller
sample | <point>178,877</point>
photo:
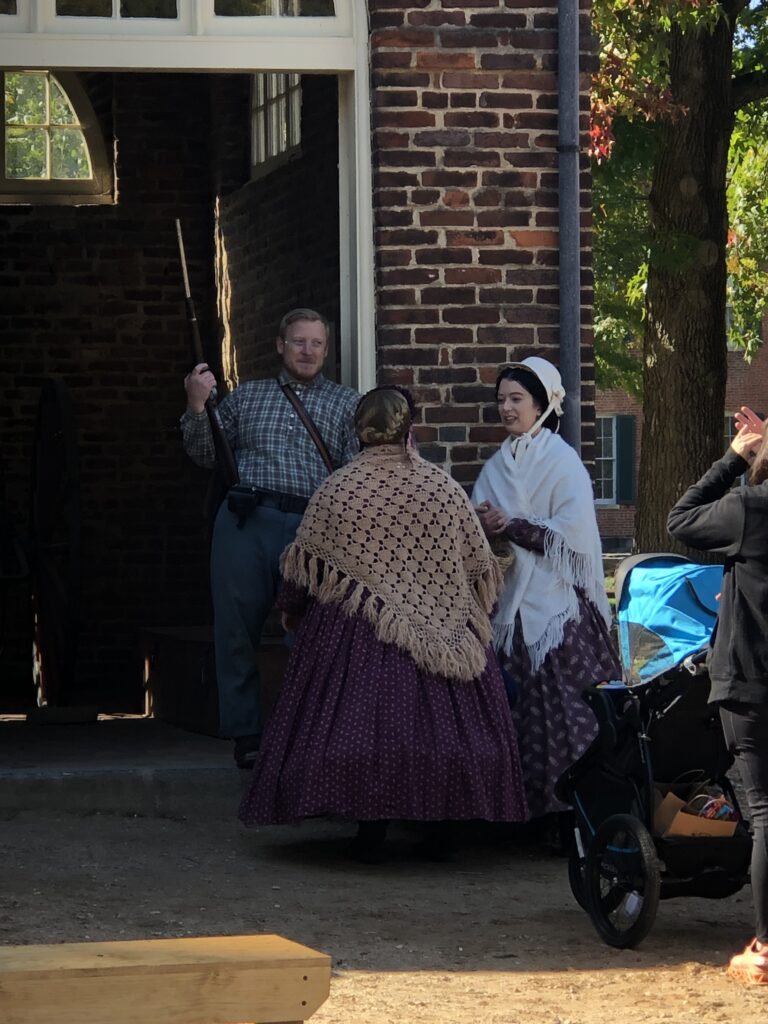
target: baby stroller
<point>657,736</point>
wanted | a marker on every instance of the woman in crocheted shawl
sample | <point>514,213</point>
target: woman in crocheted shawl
<point>551,627</point>
<point>393,706</point>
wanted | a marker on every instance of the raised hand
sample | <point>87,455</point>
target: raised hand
<point>746,417</point>
<point>747,441</point>
<point>198,384</point>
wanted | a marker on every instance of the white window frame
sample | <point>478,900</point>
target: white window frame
<point>196,18</point>
<point>202,43</point>
<point>612,417</point>
<point>95,190</point>
<point>275,120</point>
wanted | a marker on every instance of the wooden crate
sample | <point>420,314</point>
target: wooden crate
<point>234,979</point>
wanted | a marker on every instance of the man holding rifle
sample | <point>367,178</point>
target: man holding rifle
<point>287,434</point>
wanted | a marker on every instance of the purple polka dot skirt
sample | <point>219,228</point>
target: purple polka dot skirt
<point>554,724</point>
<point>359,732</point>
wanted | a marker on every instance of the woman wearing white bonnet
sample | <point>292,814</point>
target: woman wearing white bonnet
<point>551,627</point>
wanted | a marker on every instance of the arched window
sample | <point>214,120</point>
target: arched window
<point>52,147</point>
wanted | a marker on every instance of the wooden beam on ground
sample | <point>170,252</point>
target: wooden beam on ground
<point>228,979</point>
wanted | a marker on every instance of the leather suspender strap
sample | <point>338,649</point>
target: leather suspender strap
<point>312,430</point>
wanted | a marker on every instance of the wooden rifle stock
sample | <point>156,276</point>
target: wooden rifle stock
<point>224,454</point>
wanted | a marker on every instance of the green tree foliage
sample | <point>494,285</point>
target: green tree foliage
<point>631,95</point>
<point>747,259</point>
<point>623,245</point>
<point>620,257</point>
<point>679,104</point>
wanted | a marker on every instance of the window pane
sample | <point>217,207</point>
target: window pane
<point>271,131</point>
<point>294,111</point>
<point>729,428</point>
<point>148,9</point>
<point>7,6</point>
<point>26,153</point>
<point>281,127</point>
<point>69,154</point>
<point>242,8</point>
<point>85,8</point>
<point>605,465</point>
<point>25,98</point>
<point>61,108</point>
<point>258,128</point>
<point>316,9</point>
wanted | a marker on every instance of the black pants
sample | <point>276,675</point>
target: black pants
<point>746,733</point>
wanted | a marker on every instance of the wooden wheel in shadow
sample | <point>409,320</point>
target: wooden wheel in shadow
<point>54,528</point>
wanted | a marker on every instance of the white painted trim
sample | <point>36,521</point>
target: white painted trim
<point>190,53</point>
<point>356,278</point>
<point>359,160</point>
<point>195,18</point>
<point>348,217</point>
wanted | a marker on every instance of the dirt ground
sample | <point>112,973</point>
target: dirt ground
<point>494,938</point>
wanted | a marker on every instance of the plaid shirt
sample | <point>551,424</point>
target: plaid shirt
<point>272,447</point>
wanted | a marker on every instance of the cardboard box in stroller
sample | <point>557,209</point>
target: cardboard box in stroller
<point>672,819</point>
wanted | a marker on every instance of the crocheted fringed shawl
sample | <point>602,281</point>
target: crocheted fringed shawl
<point>545,484</point>
<point>393,538</point>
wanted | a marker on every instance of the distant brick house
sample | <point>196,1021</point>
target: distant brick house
<point>618,436</point>
<point>394,164</point>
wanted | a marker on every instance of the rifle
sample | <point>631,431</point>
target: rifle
<point>225,457</point>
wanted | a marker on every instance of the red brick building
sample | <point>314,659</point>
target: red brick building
<point>395,165</point>
<point>618,430</point>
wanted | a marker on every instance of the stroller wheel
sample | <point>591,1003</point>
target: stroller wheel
<point>576,873</point>
<point>622,881</point>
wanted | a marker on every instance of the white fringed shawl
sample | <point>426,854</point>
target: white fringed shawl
<point>546,485</point>
<point>393,538</point>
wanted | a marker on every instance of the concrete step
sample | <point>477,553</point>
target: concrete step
<point>115,765</point>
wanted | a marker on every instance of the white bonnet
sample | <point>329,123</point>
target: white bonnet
<point>550,379</point>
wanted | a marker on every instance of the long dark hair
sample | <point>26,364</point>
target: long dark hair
<point>534,387</point>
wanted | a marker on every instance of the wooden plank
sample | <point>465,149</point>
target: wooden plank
<point>216,980</point>
<point>160,954</point>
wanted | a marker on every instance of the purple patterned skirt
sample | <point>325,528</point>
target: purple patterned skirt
<point>359,732</point>
<point>554,725</point>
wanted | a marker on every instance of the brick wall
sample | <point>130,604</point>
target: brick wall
<point>277,236</point>
<point>748,382</point>
<point>465,180</point>
<point>93,294</point>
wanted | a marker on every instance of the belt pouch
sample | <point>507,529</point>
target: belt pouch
<point>241,501</point>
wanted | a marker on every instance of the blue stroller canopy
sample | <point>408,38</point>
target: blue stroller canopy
<point>667,608</point>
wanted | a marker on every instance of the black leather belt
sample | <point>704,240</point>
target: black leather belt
<point>283,502</point>
<point>242,500</point>
<point>242,497</point>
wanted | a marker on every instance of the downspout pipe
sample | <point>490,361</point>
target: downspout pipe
<point>569,208</point>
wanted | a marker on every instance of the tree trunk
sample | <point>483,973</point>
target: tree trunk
<point>684,346</point>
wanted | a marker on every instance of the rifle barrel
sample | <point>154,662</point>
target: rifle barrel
<point>224,452</point>
<point>195,340</point>
<point>182,255</point>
